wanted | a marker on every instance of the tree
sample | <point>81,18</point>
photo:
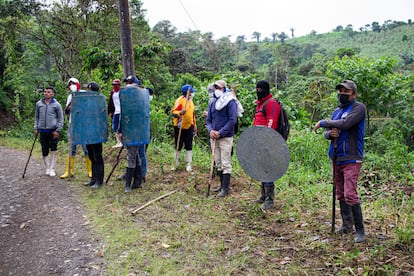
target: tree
<point>165,29</point>
<point>256,36</point>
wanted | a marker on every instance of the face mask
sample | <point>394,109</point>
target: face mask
<point>73,88</point>
<point>218,93</point>
<point>343,99</point>
<point>261,95</point>
<point>151,97</point>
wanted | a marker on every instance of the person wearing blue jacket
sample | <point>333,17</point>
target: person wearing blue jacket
<point>347,127</point>
<point>221,119</point>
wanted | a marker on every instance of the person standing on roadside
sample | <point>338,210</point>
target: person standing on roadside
<point>74,86</point>
<point>184,126</point>
<point>95,153</point>
<point>114,110</point>
<point>266,114</point>
<point>346,131</point>
<point>49,123</point>
<point>221,119</point>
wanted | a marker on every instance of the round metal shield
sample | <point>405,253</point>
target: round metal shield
<point>262,153</point>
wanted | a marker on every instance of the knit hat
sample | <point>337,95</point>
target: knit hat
<point>263,86</point>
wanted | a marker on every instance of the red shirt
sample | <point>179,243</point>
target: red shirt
<point>270,116</point>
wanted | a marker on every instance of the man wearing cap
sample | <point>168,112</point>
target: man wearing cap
<point>267,114</point>
<point>346,129</point>
<point>221,119</point>
<point>114,110</point>
<point>184,126</point>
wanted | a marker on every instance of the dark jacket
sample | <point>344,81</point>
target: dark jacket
<point>222,120</point>
<point>350,120</point>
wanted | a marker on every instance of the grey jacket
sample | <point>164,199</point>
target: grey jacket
<point>48,116</point>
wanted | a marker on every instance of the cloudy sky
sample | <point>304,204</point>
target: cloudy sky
<point>238,17</point>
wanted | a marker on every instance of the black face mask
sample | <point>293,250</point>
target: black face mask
<point>343,99</point>
<point>261,95</point>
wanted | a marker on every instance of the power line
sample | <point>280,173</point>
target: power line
<point>189,16</point>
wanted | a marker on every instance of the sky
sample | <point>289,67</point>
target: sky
<point>243,17</point>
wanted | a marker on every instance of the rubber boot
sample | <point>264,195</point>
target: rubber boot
<point>225,185</point>
<point>269,197</point>
<point>347,218</point>
<point>98,171</point>
<point>52,163</point>
<point>47,164</point>
<point>137,177</point>
<point>88,166</point>
<point>176,160</point>
<point>128,178</point>
<point>70,165</point>
<point>118,141</point>
<point>218,188</point>
<point>359,223</point>
<point>262,198</point>
<point>188,159</point>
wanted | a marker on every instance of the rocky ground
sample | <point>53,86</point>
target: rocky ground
<point>42,227</point>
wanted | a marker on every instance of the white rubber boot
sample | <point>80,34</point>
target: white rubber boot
<point>52,163</point>
<point>188,159</point>
<point>47,164</point>
<point>177,156</point>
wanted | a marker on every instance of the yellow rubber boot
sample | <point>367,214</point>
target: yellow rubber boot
<point>72,165</point>
<point>88,166</point>
<point>67,174</point>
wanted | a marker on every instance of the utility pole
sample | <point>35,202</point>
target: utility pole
<point>126,39</point>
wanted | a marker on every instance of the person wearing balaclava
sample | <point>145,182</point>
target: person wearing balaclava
<point>221,119</point>
<point>185,126</point>
<point>346,131</point>
<point>74,86</point>
<point>95,152</point>
<point>267,114</point>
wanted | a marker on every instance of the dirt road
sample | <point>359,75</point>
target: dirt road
<point>42,227</point>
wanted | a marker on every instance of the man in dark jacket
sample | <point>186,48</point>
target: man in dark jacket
<point>221,119</point>
<point>346,130</point>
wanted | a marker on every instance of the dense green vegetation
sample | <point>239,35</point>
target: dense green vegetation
<point>47,45</point>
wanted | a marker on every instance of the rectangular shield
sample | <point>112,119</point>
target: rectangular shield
<point>135,116</point>
<point>89,118</point>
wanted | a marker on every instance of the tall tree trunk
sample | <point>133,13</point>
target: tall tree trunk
<point>126,39</point>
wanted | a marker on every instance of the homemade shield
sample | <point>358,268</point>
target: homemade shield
<point>262,153</point>
<point>89,118</point>
<point>135,116</point>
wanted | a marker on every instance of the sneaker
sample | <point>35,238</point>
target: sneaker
<point>118,145</point>
<point>47,171</point>
<point>188,168</point>
<point>52,172</point>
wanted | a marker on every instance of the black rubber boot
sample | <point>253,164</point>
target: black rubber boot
<point>269,197</point>
<point>225,185</point>
<point>262,198</point>
<point>99,175</point>
<point>93,179</point>
<point>137,178</point>
<point>128,179</point>
<point>218,188</point>
<point>347,218</point>
<point>359,223</point>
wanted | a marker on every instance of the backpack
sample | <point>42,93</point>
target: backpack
<point>283,124</point>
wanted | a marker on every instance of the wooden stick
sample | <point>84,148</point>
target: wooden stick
<point>210,177</point>
<point>152,201</point>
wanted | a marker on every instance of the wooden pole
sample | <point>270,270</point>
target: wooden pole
<point>126,39</point>
<point>152,201</point>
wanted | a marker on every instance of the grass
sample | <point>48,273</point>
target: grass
<point>187,233</point>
